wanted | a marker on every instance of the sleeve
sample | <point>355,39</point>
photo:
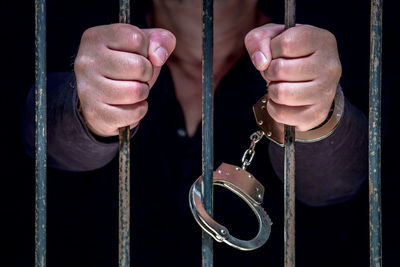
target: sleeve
<point>331,170</point>
<point>71,146</point>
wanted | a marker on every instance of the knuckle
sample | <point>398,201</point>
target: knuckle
<point>281,93</point>
<point>88,34</point>
<point>287,41</point>
<point>336,68</point>
<point>84,91</point>
<point>318,115</point>
<point>280,69</point>
<point>137,64</point>
<point>142,110</point>
<point>139,91</point>
<point>333,68</point>
<point>89,114</point>
<point>82,63</point>
<point>142,67</point>
<point>279,115</point>
<point>253,35</point>
<point>91,35</point>
<point>330,37</point>
<point>138,38</point>
<point>307,28</point>
<point>276,112</point>
<point>277,70</point>
<point>135,114</point>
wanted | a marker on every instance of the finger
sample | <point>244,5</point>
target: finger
<point>124,115</point>
<point>114,92</point>
<point>161,45</point>
<point>293,70</point>
<point>126,66</point>
<point>107,119</point>
<point>122,37</point>
<point>303,118</point>
<point>258,41</point>
<point>300,41</point>
<point>294,93</point>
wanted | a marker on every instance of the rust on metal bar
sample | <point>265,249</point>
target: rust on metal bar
<point>124,171</point>
<point>374,144</point>
<point>41,134</point>
<point>124,200</point>
<point>289,166</point>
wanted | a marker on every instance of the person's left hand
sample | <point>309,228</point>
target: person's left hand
<point>302,69</point>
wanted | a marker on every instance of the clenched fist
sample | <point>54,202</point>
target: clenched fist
<point>302,69</point>
<point>115,68</point>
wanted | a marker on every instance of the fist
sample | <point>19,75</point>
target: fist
<point>302,69</point>
<point>115,68</point>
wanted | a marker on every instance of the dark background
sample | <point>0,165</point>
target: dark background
<point>67,19</point>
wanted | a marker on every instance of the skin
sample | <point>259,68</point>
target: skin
<point>117,64</point>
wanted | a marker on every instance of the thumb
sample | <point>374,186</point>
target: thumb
<point>258,44</point>
<point>161,45</point>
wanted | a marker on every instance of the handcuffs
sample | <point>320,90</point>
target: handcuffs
<point>245,185</point>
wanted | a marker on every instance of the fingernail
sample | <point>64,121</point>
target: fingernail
<point>161,53</point>
<point>259,60</point>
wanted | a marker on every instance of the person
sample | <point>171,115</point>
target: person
<point>150,79</point>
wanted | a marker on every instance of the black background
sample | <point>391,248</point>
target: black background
<point>348,20</point>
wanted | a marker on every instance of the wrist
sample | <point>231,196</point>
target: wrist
<point>274,130</point>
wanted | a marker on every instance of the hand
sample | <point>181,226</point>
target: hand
<point>115,68</point>
<point>302,69</point>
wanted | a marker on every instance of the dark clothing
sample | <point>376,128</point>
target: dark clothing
<point>165,162</point>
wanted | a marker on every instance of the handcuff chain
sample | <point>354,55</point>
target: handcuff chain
<point>248,155</point>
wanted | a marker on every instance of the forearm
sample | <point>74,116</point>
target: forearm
<point>70,144</point>
<point>331,170</point>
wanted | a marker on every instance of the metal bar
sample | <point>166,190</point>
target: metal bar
<point>124,171</point>
<point>207,126</point>
<point>41,134</point>
<point>289,167</point>
<point>374,143</point>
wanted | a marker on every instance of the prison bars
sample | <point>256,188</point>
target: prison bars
<point>289,168</point>
<point>207,126</point>
<point>374,143</point>
<point>124,172</point>
<point>40,134</point>
<point>207,248</point>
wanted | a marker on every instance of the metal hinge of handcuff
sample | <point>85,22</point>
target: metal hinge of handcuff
<point>243,184</point>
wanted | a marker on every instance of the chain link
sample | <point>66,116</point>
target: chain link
<point>248,155</point>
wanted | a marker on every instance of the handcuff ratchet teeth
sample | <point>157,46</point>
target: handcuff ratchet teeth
<point>243,184</point>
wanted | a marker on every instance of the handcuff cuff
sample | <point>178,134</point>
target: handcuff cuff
<point>245,185</point>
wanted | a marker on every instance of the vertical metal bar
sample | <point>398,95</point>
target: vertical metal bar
<point>375,134</point>
<point>41,134</point>
<point>289,167</point>
<point>207,125</point>
<point>124,171</point>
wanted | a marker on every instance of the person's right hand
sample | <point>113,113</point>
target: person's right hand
<point>115,68</point>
